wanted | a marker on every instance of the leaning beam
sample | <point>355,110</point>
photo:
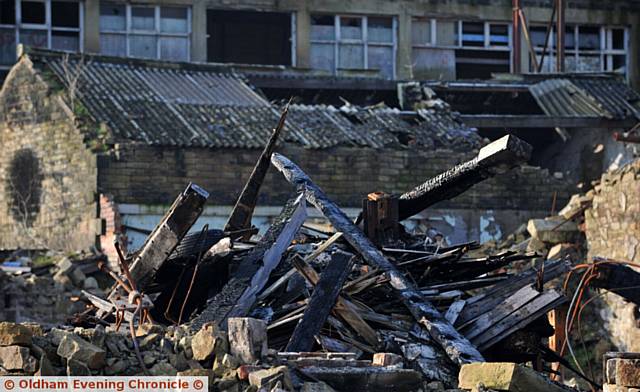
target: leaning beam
<point>240,217</point>
<point>167,235</point>
<point>457,347</point>
<point>494,158</point>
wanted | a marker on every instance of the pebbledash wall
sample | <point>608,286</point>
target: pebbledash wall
<point>47,174</point>
<point>613,231</point>
<point>144,180</point>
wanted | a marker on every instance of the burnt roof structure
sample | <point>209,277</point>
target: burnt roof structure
<point>213,106</point>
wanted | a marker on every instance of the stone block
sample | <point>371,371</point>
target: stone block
<point>17,358</point>
<point>247,338</point>
<point>74,348</point>
<point>268,377</point>
<point>553,230</point>
<point>505,376</point>
<point>208,343</point>
<point>627,372</point>
<point>14,334</point>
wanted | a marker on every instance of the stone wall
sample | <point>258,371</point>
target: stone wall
<point>47,174</point>
<point>148,175</point>
<point>613,231</point>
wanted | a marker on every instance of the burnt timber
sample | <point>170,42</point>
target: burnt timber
<point>497,157</point>
<point>457,347</point>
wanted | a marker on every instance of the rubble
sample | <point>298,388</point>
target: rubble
<point>364,306</point>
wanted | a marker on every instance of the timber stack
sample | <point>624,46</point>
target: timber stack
<point>364,306</point>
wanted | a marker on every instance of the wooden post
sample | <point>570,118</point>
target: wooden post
<point>380,211</point>
<point>557,319</point>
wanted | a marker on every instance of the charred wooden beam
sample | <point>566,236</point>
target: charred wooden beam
<point>344,308</point>
<point>459,349</point>
<point>322,299</point>
<point>240,217</point>
<point>495,158</point>
<point>236,296</point>
<point>511,121</point>
<point>167,235</point>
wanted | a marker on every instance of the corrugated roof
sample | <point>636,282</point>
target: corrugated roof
<point>586,96</point>
<point>202,105</point>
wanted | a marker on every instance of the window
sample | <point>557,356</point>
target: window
<point>145,31</point>
<point>462,49</point>
<point>40,23</point>
<point>353,43</point>
<point>588,48</point>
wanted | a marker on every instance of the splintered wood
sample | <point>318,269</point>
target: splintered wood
<point>358,289</point>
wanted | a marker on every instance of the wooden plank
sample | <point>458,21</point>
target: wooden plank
<point>504,153</point>
<point>520,318</point>
<point>220,306</point>
<point>240,217</point>
<point>454,311</point>
<point>321,302</point>
<point>543,121</point>
<point>271,260</point>
<point>343,307</point>
<point>175,224</point>
<point>284,278</point>
<point>557,319</point>
<point>459,349</point>
<point>488,300</point>
<point>500,312</point>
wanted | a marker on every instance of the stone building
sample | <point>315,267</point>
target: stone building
<point>613,231</point>
<point>443,39</point>
<point>95,146</point>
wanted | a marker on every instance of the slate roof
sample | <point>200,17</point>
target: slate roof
<point>213,106</point>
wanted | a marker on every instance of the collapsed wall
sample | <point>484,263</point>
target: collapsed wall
<point>613,231</point>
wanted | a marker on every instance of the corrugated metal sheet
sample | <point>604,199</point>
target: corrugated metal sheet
<point>587,96</point>
<point>560,97</point>
<point>212,107</point>
<point>613,95</point>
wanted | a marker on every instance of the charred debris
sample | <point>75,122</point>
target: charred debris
<point>369,304</point>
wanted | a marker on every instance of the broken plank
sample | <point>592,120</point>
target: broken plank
<point>221,305</point>
<point>324,246</point>
<point>175,224</point>
<point>488,300</point>
<point>240,217</point>
<point>459,349</point>
<point>324,296</point>
<point>343,307</point>
<point>504,153</point>
<point>271,260</point>
<point>520,318</point>
<point>500,312</point>
<point>454,311</point>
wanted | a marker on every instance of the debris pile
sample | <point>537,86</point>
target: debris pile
<point>364,306</point>
<point>23,282</point>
